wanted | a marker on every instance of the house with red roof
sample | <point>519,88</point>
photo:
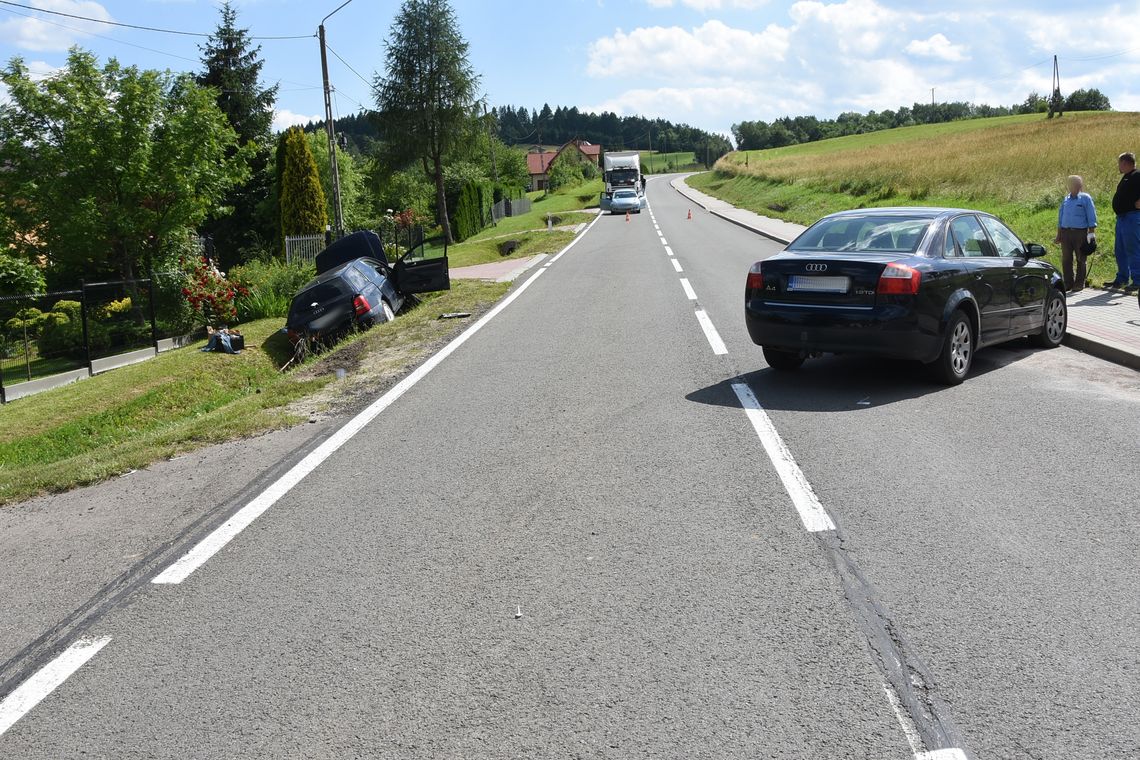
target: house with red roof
<point>538,162</point>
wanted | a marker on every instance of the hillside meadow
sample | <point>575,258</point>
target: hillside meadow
<point>1014,167</point>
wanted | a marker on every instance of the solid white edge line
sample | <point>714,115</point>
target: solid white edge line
<point>47,679</point>
<point>668,251</point>
<point>181,569</point>
<point>689,292</point>
<point>574,242</point>
<point>677,265</point>
<point>811,512</point>
<point>711,335</point>
<point>908,727</point>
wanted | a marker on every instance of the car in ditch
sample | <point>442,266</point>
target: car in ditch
<point>928,284</point>
<point>356,287</point>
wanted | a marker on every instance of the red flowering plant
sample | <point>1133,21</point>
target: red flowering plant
<point>208,292</point>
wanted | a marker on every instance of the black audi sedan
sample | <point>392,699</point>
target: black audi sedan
<point>929,284</point>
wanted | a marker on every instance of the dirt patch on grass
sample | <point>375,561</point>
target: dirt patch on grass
<point>377,359</point>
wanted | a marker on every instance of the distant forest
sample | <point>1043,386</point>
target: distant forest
<point>757,135</point>
<point>522,127</point>
<point>518,126</point>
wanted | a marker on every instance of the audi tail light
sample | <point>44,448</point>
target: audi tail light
<point>899,280</point>
<point>755,278</point>
<point>360,303</point>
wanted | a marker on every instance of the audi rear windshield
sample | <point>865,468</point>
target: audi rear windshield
<point>885,234</point>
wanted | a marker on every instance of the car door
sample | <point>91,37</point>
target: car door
<point>991,276</point>
<point>1029,283</point>
<point>420,271</point>
<point>379,273</point>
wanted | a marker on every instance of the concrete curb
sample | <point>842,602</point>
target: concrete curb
<point>1100,348</point>
<point>681,187</point>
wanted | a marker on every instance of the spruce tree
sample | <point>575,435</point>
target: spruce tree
<point>233,68</point>
<point>427,95</point>
<point>302,199</point>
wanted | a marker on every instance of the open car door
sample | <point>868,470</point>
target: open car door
<point>416,273</point>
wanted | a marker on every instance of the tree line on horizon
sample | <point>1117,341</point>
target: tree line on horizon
<point>789,130</point>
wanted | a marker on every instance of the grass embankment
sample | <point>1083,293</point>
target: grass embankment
<point>660,163</point>
<point>184,399</point>
<point>1014,167</point>
<point>486,250</point>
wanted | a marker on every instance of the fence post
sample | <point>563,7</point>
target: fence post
<point>3,395</point>
<point>153,322</point>
<point>83,318</point>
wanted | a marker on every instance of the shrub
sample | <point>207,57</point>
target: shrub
<point>61,333</point>
<point>210,295</point>
<point>18,276</point>
<point>472,210</point>
<point>269,287</point>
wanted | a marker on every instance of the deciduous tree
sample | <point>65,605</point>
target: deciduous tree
<point>105,166</point>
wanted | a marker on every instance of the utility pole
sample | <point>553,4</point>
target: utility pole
<point>330,129</point>
<point>1056,102</point>
<point>932,97</point>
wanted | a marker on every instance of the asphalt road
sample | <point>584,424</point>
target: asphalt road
<point>567,540</point>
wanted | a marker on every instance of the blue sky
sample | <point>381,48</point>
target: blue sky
<point>710,63</point>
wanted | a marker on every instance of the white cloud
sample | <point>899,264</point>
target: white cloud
<point>828,56</point>
<point>937,46</point>
<point>284,118</point>
<point>48,33</point>
<point>670,52</point>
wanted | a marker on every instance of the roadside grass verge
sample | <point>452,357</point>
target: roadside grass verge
<point>1014,167</point>
<point>561,201</point>
<point>184,399</point>
<point>486,250</point>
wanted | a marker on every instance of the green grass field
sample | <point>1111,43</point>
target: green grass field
<point>1014,167</point>
<point>659,163</point>
<point>126,419</point>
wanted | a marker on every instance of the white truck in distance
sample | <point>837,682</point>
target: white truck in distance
<point>621,170</point>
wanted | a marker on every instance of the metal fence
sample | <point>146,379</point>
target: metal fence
<point>303,248</point>
<point>51,338</point>
<point>510,207</point>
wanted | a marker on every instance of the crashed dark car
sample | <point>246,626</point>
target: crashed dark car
<point>356,287</point>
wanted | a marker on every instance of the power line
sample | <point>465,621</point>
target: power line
<point>140,27</point>
<point>100,36</point>
<point>349,66</point>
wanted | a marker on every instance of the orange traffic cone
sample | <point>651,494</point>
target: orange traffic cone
<point>627,216</point>
<point>690,215</point>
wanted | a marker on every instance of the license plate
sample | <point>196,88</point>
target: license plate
<point>806,283</point>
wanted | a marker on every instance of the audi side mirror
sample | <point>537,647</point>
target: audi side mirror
<point>1035,250</point>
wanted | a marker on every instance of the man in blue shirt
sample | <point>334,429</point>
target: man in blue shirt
<point>1126,204</point>
<point>1076,225</point>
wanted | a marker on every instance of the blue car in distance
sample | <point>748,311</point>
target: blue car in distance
<point>626,201</point>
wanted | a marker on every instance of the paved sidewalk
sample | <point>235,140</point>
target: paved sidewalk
<point>1103,323</point>
<point>497,271</point>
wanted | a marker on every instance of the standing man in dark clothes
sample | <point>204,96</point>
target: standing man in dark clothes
<point>1126,204</point>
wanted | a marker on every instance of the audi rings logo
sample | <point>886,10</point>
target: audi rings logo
<point>816,267</point>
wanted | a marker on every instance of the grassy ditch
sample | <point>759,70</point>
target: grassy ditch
<point>487,250</point>
<point>661,163</point>
<point>1014,167</point>
<point>184,399</point>
<point>562,202</point>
